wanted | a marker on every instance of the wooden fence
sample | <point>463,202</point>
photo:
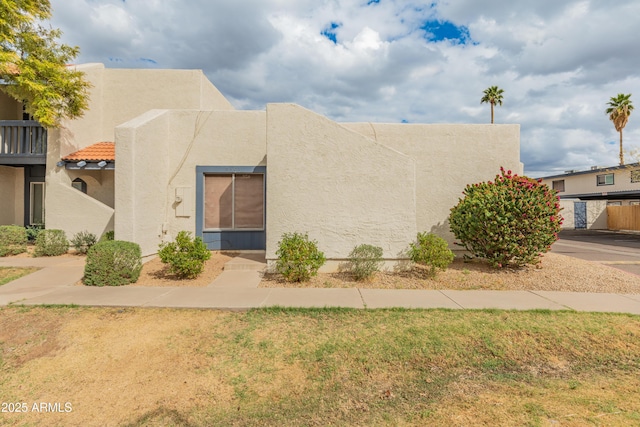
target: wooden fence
<point>623,217</point>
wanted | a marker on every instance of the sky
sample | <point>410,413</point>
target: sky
<point>393,61</point>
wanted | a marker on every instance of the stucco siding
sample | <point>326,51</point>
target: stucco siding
<point>341,187</point>
<point>118,96</point>
<point>75,211</point>
<point>158,153</point>
<point>11,195</point>
<point>10,109</point>
<point>596,214</point>
<point>448,157</point>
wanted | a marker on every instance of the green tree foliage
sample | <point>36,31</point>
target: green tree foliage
<point>34,66</point>
<point>510,222</point>
<point>619,110</point>
<point>493,96</point>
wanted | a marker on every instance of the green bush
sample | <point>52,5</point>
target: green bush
<point>13,240</point>
<point>431,251</point>
<point>83,241</point>
<point>298,257</point>
<point>33,231</point>
<point>365,261</point>
<point>509,222</point>
<point>185,256</point>
<point>51,243</point>
<point>109,235</point>
<point>112,263</point>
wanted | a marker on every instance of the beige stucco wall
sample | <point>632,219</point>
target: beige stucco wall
<point>11,195</point>
<point>76,211</point>
<point>100,184</point>
<point>587,183</point>
<point>10,109</point>
<point>596,214</point>
<point>159,151</point>
<point>340,187</point>
<point>448,157</point>
<point>117,96</point>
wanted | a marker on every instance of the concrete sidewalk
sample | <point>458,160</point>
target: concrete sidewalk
<point>237,289</point>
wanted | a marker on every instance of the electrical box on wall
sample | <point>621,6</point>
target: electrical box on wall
<point>182,202</point>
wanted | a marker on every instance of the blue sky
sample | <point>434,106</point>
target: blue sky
<point>395,61</point>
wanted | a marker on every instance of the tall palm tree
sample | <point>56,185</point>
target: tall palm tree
<point>619,110</point>
<point>493,96</point>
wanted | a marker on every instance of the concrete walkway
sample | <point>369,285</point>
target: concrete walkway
<point>237,289</point>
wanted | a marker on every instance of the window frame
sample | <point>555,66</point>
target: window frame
<point>612,175</point>
<point>635,176</point>
<point>559,181</point>
<point>233,199</point>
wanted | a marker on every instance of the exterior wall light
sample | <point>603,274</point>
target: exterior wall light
<point>102,163</point>
<point>81,164</point>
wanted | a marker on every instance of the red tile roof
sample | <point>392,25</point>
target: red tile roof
<point>94,153</point>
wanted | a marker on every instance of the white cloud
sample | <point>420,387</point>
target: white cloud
<point>558,62</point>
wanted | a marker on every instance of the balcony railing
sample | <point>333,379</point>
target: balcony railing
<point>22,142</point>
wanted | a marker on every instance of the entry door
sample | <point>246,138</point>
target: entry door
<point>580,214</point>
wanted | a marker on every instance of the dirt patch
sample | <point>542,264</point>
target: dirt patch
<point>155,273</point>
<point>72,253</point>
<point>554,273</point>
<point>27,335</point>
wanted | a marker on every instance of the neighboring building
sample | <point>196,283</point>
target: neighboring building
<point>618,185</point>
<point>184,159</point>
<point>584,195</point>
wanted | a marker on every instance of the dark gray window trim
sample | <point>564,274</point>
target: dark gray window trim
<point>605,182</point>
<point>201,171</point>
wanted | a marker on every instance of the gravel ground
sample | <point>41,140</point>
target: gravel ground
<point>555,273</point>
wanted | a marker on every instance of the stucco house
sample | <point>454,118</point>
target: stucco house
<point>160,151</point>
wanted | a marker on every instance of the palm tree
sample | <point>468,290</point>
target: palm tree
<point>619,110</point>
<point>493,96</point>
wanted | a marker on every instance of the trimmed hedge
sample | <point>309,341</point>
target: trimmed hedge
<point>51,243</point>
<point>13,240</point>
<point>113,263</point>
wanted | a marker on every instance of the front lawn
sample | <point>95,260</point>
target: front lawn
<point>7,274</point>
<point>277,367</point>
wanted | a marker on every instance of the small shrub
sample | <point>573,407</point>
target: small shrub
<point>112,263</point>
<point>109,235</point>
<point>298,257</point>
<point>33,231</point>
<point>431,251</point>
<point>51,243</point>
<point>83,241</point>
<point>13,240</point>
<point>185,256</point>
<point>365,261</point>
<point>509,222</point>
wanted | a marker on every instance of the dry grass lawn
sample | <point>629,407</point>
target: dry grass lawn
<point>161,367</point>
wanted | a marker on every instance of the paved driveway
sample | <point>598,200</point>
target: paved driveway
<point>619,250</point>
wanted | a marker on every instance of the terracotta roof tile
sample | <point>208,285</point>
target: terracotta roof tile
<point>94,153</point>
